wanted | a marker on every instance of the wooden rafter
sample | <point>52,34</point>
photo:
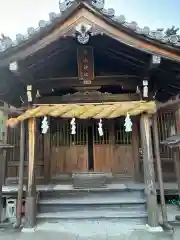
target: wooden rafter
<point>172,103</point>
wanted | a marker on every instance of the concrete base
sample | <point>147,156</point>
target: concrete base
<point>28,230</point>
<point>30,212</point>
<point>6,225</point>
<point>154,229</point>
<point>177,218</point>
<point>166,226</point>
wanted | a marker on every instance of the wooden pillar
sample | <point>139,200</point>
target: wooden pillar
<point>21,175</point>
<point>177,120</point>
<point>176,151</point>
<point>47,157</point>
<point>1,184</point>
<point>176,159</point>
<point>149,175</point>
<point>136,155</point>
<point>159,169</point>
<point>30,212</point>
<point>3,138</point>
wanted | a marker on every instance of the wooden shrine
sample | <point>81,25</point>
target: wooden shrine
<point>87,84</point>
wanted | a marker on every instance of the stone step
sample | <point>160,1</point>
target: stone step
<point>126,208</point>
<point>76,194</point>
<point>89,180</point>
<point>92,200</point>
<point>92,204</point>
<point>94,214</point>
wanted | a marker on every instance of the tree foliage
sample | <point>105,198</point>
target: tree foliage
<point>171,31</point>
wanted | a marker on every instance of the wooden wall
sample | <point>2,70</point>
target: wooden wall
<point>13,156</point>
<point>117,159</point>
<point>58,152</point>
<point>111,153</point>
<point>166,128</point>
<point>68,159</point>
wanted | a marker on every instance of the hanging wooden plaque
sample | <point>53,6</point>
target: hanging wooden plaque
<point>85,60</point>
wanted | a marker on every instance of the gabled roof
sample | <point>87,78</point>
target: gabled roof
<point>91,12</point>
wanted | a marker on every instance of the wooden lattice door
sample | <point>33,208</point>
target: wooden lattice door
<point>69,153</point>
<point>113,152</point>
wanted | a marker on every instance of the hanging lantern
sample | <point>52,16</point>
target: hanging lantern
<point>100,129</point>
<point>128,123</point>
<point>73,126</point>
<point>45,125</point>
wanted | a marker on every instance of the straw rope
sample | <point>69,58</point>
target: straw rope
<point>85,111</point>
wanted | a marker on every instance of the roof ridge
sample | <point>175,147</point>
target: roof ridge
<point>169,36</point>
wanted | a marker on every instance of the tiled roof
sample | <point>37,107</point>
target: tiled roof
<point>159,35</point>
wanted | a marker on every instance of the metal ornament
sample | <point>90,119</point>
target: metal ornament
<point>45,125</point>
<point>73,126</point>
<point>29,93</point>
<point>145,88</point>
<point>100,129</point>
<point>128,124</point>
<point>156,59</point>
<point>13,66</point>
<point>83,34</point>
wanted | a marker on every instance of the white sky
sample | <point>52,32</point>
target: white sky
<point>17,15</point>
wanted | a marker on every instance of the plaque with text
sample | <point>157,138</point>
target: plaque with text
<point>85,59</point>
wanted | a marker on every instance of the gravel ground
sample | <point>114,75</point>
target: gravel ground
<point>123,234</point>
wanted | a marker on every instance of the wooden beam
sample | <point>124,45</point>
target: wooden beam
<point>88,97</point>
<point>30,213</point>
<point>126,81</point>
<point>159,169</point>
<point>149,175</point>
<point>11,110</point>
